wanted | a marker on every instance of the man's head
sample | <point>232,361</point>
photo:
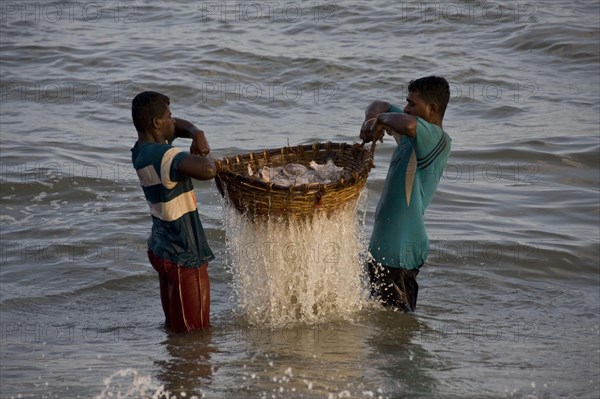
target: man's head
<point>151,114</point>
<point>428,98</point>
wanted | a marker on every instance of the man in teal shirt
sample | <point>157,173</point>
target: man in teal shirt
<point>399,243</point>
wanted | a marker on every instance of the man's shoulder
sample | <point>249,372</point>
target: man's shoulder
<point>430,127</point>
<point>435,132</point>
<point>149,153</point>
<point>152,149</point>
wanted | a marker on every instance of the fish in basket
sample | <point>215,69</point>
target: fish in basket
<point>295,182</point>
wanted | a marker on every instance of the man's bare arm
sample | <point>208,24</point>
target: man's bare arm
<point>198,167</point>
<point>372,111</point>
<point>188,130</point>
<point>403,124</point>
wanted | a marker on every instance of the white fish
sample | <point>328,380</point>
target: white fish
<point>294,169</point>
<point>265,173</point>
<point>328,171</point>
<point>294,174</point>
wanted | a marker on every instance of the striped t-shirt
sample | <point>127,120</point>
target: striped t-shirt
<point>177,233</point>
<point>399,238</point>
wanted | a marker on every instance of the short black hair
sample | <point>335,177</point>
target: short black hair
<point>146,106</point>
<point>433,89</point>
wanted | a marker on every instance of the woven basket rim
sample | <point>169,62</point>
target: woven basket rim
<point>224,163</point>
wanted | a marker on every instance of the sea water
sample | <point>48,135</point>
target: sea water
<point>508,299</point>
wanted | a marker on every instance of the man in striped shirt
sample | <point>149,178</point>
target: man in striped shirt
<point>177,246</point>
<point>399,245</point>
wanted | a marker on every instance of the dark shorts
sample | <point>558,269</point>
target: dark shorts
<point>184,293</point>
<point>393,286</point>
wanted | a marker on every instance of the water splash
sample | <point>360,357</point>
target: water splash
<point>130,383</point>
<point>289,272</point>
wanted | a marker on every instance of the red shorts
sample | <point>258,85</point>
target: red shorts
<point>184,293</point>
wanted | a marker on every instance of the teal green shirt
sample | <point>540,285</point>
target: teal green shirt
<point>177,233</point>
<point>399,238</point>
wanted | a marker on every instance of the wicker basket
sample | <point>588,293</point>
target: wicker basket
<point>254,197</point>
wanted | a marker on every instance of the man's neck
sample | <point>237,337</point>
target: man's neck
<point>436,121</point>
<point>148,137</point>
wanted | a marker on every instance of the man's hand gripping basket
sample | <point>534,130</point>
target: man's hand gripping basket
<point>254,197</point>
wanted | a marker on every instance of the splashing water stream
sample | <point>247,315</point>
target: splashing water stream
<point>287,272</point>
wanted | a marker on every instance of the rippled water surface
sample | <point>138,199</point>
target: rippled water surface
<point>509,303</point>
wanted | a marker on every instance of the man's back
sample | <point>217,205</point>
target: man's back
<point>177,232</point>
